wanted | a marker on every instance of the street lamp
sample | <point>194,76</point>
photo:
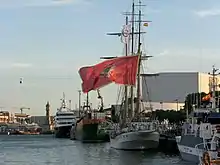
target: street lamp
<point>161,105</point>
<point>177,104</point>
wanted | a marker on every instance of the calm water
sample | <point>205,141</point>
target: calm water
<point>46,150</point>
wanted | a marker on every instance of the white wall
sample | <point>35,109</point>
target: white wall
<point>204,80</point>
<point>165,106</point>
<point>170,86</point>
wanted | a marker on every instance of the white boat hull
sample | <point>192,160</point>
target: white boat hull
<point>187,148</point>
<point>139,140</point>
<point>190,154</point>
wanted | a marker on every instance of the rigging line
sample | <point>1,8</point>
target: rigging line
<point>122,102</point>
<point>144,50</point>
<point>136,36</point>
<point>118,95</point>
<point>142,65</point>
<point>120,88</point>
<point>147,90</point>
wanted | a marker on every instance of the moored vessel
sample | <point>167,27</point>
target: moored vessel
<point>201,131</point>
<point>91,127</point>
<point>134,132</point>
<point>139,137</point>
<point>63,121</point>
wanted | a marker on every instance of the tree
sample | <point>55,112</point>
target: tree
<point>196,99</point>
<point>172,115</point>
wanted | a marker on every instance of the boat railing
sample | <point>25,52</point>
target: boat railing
<point>195,129</point>
<point>134,127</point>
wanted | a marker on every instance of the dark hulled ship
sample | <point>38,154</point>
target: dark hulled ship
<point>92,126</point>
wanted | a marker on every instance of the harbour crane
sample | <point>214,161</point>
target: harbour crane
<point>22,108</point>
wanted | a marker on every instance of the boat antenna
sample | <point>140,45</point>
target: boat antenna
<point>63,101</point>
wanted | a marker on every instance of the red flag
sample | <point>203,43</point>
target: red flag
<point>121,70</point>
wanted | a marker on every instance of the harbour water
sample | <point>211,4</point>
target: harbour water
<point>47,150</point>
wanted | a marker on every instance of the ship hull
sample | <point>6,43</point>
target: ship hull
<point>140,140</point>
<point>186,146</point>
<point>62,132</point>
<point>89,133</point>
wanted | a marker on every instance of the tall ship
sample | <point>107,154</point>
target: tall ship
<point>134,132</point>
<point>199,142</point>
<point>63,120</point>
<point>92,125</point>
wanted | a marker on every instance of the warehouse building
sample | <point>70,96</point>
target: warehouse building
<point>167,90</point>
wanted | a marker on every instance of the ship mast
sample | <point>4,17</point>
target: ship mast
<point>131,111</point>
<point>124,113</point>
<point>139,63</point>
<point>141,57</point>
<point>125,34</point>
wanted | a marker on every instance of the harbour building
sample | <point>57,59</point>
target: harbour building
<point>167,90</point>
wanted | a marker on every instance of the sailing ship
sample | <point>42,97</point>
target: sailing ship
<point>201,131</point>
<point>134,132</point>
<point>63,121</point>
<point>91,127</point>
<point>120,70</point>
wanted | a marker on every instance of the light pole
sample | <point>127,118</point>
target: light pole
<point>161,105</point>
<point>213,85</point>
<point>177,104</point>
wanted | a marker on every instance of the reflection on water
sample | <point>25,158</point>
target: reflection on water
<point>46,150</point>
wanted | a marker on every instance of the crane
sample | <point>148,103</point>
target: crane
<point>22,108</point>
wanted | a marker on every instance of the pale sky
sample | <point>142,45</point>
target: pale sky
<point>46,41</point>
